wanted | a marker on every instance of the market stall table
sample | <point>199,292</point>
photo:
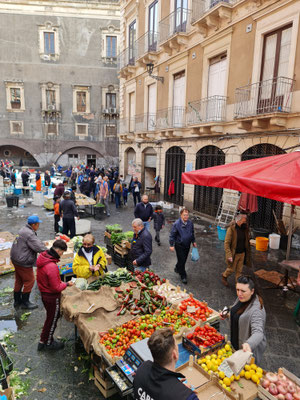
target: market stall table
<point>289,266</point>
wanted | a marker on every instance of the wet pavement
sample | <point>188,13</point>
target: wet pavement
<point>65,375</point>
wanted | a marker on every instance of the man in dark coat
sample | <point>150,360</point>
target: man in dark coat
<point>136,188</point>
<point>144,211</point>
<point>68,211</point>
<point>141,246</point>
<point>85,186</point>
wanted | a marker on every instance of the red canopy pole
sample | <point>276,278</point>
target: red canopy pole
<point>288,250</point>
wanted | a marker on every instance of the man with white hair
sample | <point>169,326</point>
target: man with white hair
<point>237,248</point>
<point>141,245</point>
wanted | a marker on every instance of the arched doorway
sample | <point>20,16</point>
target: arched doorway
<point>207,199</point>
<point>174,167</point>
<point>149,167</point>
<point>18,156</point>
<point>264,217</point>
<point>130,162</point>
<point>80,155</point>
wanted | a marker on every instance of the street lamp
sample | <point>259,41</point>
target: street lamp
<point>150,67</point>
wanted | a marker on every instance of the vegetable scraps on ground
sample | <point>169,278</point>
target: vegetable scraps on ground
<point>148,303</point>
<point>195,309</point>
<point>118,340</point>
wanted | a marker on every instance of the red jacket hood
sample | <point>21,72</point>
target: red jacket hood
<point>45,258</point>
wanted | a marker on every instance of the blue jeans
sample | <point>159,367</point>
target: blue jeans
<point>147,225</point>
<point>118,199</point>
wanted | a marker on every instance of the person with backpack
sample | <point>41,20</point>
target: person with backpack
<point>118,192</point>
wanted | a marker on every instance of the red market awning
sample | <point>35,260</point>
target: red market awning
<point>275,177</point>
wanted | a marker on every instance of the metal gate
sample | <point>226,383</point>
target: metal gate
<point>264,217</point>
<point>207,199</point>
<point>174,167</point>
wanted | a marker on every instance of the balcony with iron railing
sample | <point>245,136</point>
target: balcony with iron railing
<point>147,44</point>
<point>127,126</point>
<point>173,27</point>
<point>127,59</point>
<point>264,100</point>
<point>171,118</point>
<point>145,122</point>
<point>208,110</point>
<point>210,13</point>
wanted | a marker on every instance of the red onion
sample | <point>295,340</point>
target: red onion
<point>280,396</point>
<point>273,389</point>
<point>297,395</point>
<point>289,396</point>
<point>291,388</point>
<point>282,377</point>
<point>282,389</point>
<point>271,377</point>
<point>265,383</point>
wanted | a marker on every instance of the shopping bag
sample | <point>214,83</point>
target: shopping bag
<point>195,254</point>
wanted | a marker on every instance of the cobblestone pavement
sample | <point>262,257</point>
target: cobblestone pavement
<point>64,375</point>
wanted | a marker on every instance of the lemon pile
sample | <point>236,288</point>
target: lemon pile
<point>211,363</point>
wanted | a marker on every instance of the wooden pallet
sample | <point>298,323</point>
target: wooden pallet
<point>121,250</point>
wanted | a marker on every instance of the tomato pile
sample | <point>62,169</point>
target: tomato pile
<point>202,312</point>
<point>148,278</point>
<point>205,336</point>
<point>118,340</point>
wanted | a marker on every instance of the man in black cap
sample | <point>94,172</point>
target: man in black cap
<point>68,211</point>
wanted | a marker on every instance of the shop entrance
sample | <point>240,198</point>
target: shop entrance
<point>149,170</point>
<point>264,217</point>
<point>207,199</point>
<point>174,167</point>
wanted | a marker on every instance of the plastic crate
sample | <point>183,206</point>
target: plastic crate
<point>6,360</point>
<point>3,378</point>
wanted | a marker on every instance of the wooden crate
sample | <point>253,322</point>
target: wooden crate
<point>108,259</point>
<point>105,380</point>
<point>107,234</point>
<point>106,393</point>
<point>120,250</point>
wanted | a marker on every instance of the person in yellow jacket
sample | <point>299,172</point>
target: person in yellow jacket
<point>90,259</point>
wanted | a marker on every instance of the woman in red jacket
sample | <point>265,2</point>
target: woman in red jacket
<point>50,286</point>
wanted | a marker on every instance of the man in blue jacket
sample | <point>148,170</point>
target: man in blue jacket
<point>141,246</point>
<point>144,211</point>
<point>181,237</point>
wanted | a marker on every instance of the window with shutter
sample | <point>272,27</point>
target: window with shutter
<point>81,101</point>
<point>49,47</point>
<point>111,46</point>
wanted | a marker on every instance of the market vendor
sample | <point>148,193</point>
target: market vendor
<point>90,259</point>
<point>158,380</point>
<point>248,319</point>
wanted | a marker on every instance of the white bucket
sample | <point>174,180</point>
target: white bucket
<point>274,241</point>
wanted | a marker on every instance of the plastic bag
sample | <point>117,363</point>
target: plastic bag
<point>195,254</point>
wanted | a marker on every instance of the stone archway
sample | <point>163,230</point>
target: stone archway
<point>149,157</point>
<point>130,163</point>
<point>18,155</point>
<point>80,155</point>
<point>174,167</point>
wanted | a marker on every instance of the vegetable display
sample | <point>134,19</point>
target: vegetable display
<point>114,280</point>
<point>280,386</point>
<point>148,278</point>
<point>118,340</point>
<point>81,283</point>
<point>117,237</point>
<point>129,235</point>
<point>205,336</point>
<point>195,309</point>
<point>77,240</point>
<point>116,228</point>
<point>147,304</point>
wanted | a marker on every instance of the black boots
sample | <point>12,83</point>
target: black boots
<point>26,304</point>
<point>55,345</point>
<point>17,299</point>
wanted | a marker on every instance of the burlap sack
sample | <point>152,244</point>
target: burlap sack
<point>75,301</point>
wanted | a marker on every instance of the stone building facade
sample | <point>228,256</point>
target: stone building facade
<point>205,83</point>
<point>59,91</point>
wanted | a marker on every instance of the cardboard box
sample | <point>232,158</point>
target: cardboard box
<point>265,395</point>
<point>195,375</point>
<point>212,391</point>
<point>9,393</point>
<point>249,391</point>
<point>7,236</point>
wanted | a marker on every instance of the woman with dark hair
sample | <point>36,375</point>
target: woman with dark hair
<point>248,319</point>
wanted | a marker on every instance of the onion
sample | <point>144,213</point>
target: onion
<point>291,388</point>
<point>270,376</point>
<point>289,396</point>
<point>297,395</point>
<point>282,377</point>
<point>265,383</point>
<point>280,396</point>
<point>282,389</point>
<point>273,389</point>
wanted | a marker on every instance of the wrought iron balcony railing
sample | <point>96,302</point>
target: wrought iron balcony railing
<point>265,97</point>
<point>210,109</point>
<point>127,57</point>
<point>201,7</point>
<point>145,122</point>
<point>173,117</point>
<point>147,43</point>
<point>126,125</point>
<point>177,21</point>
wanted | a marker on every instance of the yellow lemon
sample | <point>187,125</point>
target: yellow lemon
<point>208,357</point>
<point>252,372</point>
<point>203,365</point>
<point>199,362</point>
<point>221,374</point>
<point>259,374</point>
<point>247,367</point>
<point>242,373</point>
<point>247,375</point>
<point>210,371</point>
<point>254,378</point>
<point>202,360</point>
<point>228,388</point>
<point>236,377</point>
<point>227,381</point>
<point>219,362</point>
<point>205,368</point>
<point>224,386</point>
<point>259,370</point>
<point>214,368</point>
<point>209,364</point>
<point>253,366</point>
<point>223,358</point>
<point>214,356</point>
<point>232,378</point>
<point>221,382</point>
<point>220,352</point>
<point>227,347</point>
<point>229,353</point>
